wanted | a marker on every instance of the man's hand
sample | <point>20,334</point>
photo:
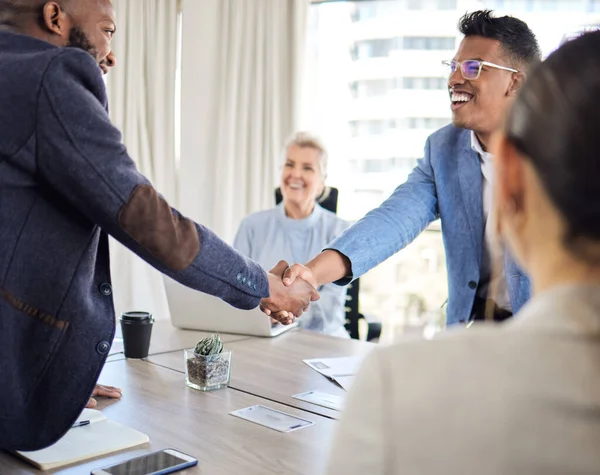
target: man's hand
<point>285,304</point>
<point>328,266</point>
<point>296,271</point>
<point>106,391</point>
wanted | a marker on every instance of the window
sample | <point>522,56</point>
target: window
<point>373,87</point>
<point>447,4</point>
<point>377,48</point>
<point>368,127</point>
<point>549,5</point>
<point>424,83</point>
<point>423,42</point>
<point>373,9</point>
<point>431,4</point>
<point>364,11</point>
<point>369,194</point>
<point>378,165</point>
<point>429,123</point>
<point>380,48</point>
<point>399,165</point>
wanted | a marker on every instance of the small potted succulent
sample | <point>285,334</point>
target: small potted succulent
<point>207,366</point>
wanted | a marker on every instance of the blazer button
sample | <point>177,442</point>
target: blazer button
<point>244,280</point>
<point>239,277</point>
<point>249,283</point>
<point>103,347</point>
<point>472,284</point>
<point>105,289</point>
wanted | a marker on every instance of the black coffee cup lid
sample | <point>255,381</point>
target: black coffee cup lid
<point>137,316</point>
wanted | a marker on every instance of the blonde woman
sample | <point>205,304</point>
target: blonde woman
<point>298,228</point>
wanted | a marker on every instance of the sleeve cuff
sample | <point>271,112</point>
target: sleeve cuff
<point>348,278</point>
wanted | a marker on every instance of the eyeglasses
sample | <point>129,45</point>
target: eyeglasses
<point>471,68</point>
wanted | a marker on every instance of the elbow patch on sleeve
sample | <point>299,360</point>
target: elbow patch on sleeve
<point>169,237</point>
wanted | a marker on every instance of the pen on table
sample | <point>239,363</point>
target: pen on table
<point>80,423</point>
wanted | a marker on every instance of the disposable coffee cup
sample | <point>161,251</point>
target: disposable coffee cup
<point>137,330</point>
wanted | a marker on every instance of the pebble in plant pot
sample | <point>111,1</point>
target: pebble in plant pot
<point>207,365</point>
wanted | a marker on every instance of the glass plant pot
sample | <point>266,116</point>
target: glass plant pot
<point>207,372</point>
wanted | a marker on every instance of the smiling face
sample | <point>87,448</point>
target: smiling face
<point>480,104</point>
<point>301,178</point>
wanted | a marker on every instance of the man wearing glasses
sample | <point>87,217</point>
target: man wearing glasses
<point>451,182</point>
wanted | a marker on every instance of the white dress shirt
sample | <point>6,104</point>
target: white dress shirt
<point>491,251</point>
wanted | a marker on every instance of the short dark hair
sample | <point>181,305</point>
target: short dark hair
<point>516,38</point>
<point>554,123</point>
<point>13,12</point>
<point>17,12</point>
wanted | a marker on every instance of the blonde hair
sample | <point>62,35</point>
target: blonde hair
<point>307,140</point>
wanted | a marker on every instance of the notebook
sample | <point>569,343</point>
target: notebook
<point>100,437</point>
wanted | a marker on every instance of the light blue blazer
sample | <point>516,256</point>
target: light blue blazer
<point>446,184</point>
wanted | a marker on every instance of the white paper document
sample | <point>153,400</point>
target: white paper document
<point>340,370</point>
<point>320,398</point>
<point>345,381</point>
<point>332,367</point>
<point>271,418</point>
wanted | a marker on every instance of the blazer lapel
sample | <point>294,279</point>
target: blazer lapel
<point>469,173</point>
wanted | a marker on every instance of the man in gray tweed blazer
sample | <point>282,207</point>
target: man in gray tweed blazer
<point>66,182</point>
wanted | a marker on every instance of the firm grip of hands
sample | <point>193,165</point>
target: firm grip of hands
<point>291,289</point>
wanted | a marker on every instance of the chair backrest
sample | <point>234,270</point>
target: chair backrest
<point>352,314</point>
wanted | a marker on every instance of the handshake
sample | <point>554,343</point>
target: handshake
<point>291,289</point>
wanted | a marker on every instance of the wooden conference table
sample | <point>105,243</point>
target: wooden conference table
<point>264,371</point>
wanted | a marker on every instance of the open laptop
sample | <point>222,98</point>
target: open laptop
<point>195,310</point>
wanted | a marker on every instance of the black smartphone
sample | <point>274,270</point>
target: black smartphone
<point>156,463</point>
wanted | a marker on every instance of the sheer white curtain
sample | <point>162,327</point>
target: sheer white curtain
<point>141,90</point>
<point>241,82</point>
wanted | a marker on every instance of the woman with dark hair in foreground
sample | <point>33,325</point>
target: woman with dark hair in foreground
<point>522,397</point>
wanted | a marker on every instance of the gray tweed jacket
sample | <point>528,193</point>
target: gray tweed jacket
<point>66,182</point>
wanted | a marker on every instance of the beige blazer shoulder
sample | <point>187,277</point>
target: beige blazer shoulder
<point>522,397</point>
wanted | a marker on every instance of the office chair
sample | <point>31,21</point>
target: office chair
<point>328,200</point>
<point>353,316</point>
